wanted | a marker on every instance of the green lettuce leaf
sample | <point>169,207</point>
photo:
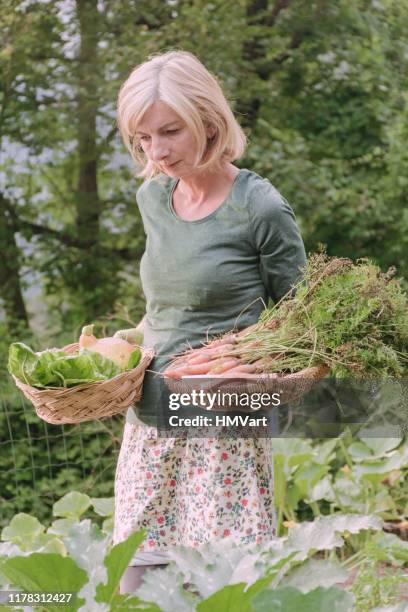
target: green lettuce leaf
<point>55,368</point>
<point>134,359</point>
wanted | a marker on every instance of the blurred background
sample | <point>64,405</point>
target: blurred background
<point>320,87</point>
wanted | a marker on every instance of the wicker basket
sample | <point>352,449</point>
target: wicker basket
<point>290,387</point>
<point>89,401</point>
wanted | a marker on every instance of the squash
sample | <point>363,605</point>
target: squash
<point>115,349</point>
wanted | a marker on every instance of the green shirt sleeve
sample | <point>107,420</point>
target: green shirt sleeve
<point>277,238</point>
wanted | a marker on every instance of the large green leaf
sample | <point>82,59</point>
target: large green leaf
<point>127,603</point>
<point>323,452</point>
<point>389,548</point>
<point>359,451</point>
<point>375,447</point>
<point>116,562</point>
<point>87,545</point>
<point>166,590</point>
<point>308,476</point>
<point>46,573</point>
<point>374,470</point>
<point>104,506</point>
<point>208,567</point>
<point>377,444</point>
<point>61,527</point>
<point>321,490</point>
<point>289,599</point>
<point>315,573</point>
<point>22,530</point>
<point>48,543</point>
<point>55,368</point>
<point>256,567</point>
<point>229,599</point>
<point>28,534</point>
<point>324,532</point>
<point>72,505</point>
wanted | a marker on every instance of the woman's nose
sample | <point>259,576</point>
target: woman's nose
<point>159,151</point>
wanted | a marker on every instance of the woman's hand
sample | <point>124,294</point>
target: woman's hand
<point>134,335</point>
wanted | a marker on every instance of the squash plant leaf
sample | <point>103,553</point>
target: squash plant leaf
<point>72,505</point>
<point>116,561</point>
<point>47,573</point>
<point>289,598</point>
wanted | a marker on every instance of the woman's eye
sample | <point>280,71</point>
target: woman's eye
<point>172,131</point>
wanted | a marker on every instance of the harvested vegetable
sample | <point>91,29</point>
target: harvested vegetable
<point>348,316</point>
<point>116,349</point>
<point>55,368</point>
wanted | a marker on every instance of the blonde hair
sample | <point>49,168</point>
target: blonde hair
<point>180,80</point>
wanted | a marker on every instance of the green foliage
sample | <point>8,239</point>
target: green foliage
<point>284,573</point>
<point>340,475</point>
<point>47,573</point>
<point>41,462</point>
<point>319,87</point>
<point>289,598</point>
<point>351,317</point>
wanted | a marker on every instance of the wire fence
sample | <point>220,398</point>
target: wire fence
<point>41,462</point>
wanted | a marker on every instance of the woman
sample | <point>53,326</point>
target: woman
<point>220,241</point>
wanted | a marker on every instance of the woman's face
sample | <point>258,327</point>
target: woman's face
<point>166,140</point>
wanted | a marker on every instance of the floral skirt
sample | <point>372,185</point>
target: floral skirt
<point>190,491</point>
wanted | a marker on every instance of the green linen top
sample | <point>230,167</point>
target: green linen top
<point>201,278</point>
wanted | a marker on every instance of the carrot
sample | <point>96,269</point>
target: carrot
<point>223,366</point>
<point>173,373</point>
<point>217,350</point>
<point>229,339</point>
<point>200,368</point>
<point>244,368</point>
<point>197,359</point>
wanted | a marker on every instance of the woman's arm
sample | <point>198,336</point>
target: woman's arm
<point>277,239</point>
<point>141,325</point>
